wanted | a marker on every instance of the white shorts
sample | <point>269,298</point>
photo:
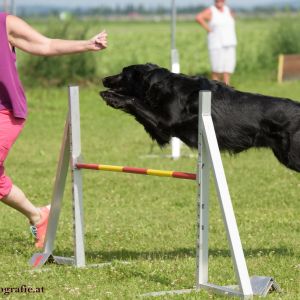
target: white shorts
<point>223,59</point>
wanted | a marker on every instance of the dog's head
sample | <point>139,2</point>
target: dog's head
<point>130,79</point>
<point>131,84</point>
<point>129,91</point>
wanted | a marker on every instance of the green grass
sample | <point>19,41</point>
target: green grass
<point>147,221</point>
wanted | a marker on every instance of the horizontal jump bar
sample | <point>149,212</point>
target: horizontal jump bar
<point>141,171</point>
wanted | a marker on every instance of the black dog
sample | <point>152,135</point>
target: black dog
<point>166,104</point>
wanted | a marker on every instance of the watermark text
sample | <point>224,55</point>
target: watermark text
<point>21,289</point>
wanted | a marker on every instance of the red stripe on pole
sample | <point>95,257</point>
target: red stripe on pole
<point>87,166</point>
<point>182,175</point>
<point>135,170</point>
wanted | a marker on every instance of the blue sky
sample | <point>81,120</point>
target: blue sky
<point>147,3</point>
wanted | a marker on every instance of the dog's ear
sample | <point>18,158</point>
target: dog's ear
<point>157,94</point>
<point>156,75</point>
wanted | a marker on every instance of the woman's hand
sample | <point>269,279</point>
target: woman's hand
<point>98,42</point>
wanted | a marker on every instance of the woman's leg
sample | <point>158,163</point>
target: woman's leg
<point>17,200</point>
<point>229,63</point>
<point>215,57</point>
<point>226,78</point>
<point>215,76</point>
<point>11,195</point>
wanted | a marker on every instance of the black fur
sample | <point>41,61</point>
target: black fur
<point>166,104</point>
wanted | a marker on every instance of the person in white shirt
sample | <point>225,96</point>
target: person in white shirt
<point>218,21</point>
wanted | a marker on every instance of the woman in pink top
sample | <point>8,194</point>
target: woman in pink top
<point>219,23</point>
<point>15,33</point>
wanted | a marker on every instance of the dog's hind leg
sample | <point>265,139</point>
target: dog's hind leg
<point>294,153</point>
<point>287,151</point>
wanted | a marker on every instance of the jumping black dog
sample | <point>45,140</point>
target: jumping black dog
<point>166,104</point>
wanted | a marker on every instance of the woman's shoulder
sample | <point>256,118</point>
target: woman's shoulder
<point>212,8</point>
<point>206,13</point>
<point>227,8</point>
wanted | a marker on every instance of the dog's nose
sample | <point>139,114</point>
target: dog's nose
<point>109,81</point>
<point>112,81</point>
<point>104,81</point>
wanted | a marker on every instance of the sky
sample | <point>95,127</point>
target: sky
<point>146,3</point>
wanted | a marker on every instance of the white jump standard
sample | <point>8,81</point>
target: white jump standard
<point>209,158</point>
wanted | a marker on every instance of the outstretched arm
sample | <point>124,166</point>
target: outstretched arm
<point>21,35</point>
<point>203,17</point>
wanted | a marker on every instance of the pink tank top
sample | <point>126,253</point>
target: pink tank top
<point>12,96</point>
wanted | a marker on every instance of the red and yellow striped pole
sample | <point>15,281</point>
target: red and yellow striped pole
<point>141,171</point>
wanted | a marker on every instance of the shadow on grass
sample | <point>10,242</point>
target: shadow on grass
<point>124,254</point>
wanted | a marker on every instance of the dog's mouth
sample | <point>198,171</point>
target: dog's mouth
<point>114,93</point>
<point>110,93</point>
<point>115,88</point>
<point>117,100</point>
<point>118,90</point>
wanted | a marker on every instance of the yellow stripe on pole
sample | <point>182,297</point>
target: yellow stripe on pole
<point>160,173</point>
<point>110,168</point>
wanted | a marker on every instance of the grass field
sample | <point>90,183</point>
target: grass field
<point>149,222</point>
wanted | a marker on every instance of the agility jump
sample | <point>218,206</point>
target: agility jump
<point>209,158</point>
